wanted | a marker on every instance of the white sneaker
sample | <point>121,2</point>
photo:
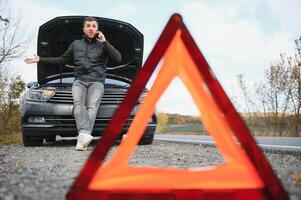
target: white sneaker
<point>83,141</point>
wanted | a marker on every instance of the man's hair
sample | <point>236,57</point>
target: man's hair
<point>89,19</point>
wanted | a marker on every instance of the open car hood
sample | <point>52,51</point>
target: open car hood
<point>57,34</point>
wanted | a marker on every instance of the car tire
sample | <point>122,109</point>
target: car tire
<point>147,140</point>
<point>29,142</point>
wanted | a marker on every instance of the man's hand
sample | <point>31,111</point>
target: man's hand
<point>34,59</point>
<point>101,37</point>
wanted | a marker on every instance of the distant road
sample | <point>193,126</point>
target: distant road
<point>275,143</point>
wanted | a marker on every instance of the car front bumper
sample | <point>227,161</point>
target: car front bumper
<point>46,130</point>
<point>58,119</point>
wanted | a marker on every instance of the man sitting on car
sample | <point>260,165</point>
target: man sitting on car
<point>89,56</point>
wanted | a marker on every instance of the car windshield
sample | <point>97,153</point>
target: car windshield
<point>108,81</point>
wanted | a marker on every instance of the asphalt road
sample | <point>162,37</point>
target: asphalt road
<point>273,143</point>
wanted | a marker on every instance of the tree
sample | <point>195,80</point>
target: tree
<point>295,82</point>
<point>162,121</point>
<point>245,93</point>
<point>249,105</point>
<point>279,87</point>
<point>9,106</point>
<point>13,42</point>
<point>278,96</point>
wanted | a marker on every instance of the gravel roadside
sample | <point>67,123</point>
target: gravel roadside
<point>47,172</point>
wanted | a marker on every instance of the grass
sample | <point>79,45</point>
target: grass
<point>183,129</point>
<point>198,129</point>
<point>14,138</point>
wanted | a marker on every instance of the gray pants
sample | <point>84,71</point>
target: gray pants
<point>87,97</point>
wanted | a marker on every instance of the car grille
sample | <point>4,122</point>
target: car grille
<point>107,98</point>
<point>68,121</point>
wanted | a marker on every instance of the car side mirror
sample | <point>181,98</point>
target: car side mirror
<point>32,84</point>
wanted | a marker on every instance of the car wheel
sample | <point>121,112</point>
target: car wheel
<point>29,142</point>
<point>147,140</point>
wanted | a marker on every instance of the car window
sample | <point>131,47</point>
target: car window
<point>116,82</point>
<point>64,80</point>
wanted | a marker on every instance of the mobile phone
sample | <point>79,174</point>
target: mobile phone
<point>96,34</point>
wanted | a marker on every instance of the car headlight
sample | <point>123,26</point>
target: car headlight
<point>39,95</point>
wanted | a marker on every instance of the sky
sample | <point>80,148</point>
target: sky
<point>236,37</point>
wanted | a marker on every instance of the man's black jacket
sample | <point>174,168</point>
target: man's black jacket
<point>89,57</point>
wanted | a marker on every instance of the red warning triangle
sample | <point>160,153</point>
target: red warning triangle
<point>246,173</point>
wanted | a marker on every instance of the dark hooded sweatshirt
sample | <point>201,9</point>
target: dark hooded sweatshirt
<point>90,59</point>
